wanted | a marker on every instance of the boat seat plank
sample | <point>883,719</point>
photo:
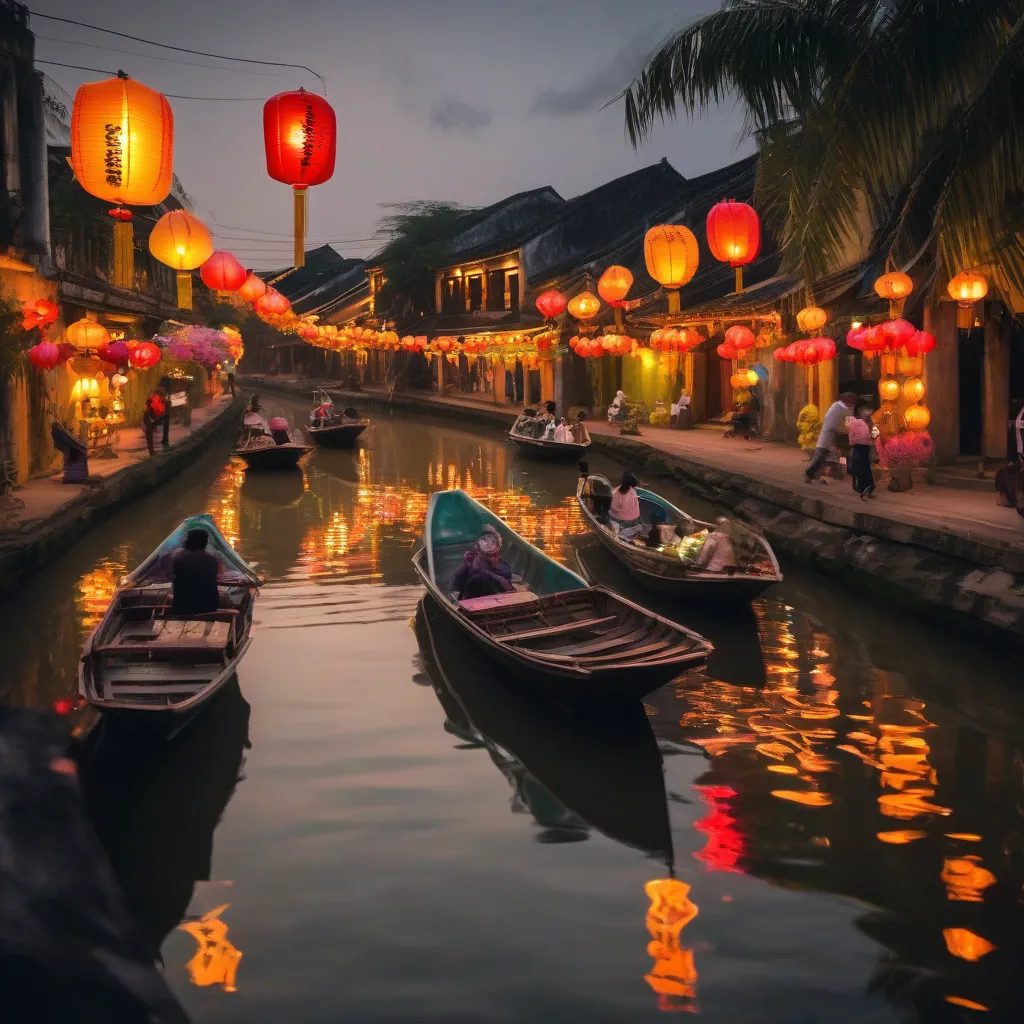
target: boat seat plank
<point>156,671</point>
<point>168,636</point>
<point>627,655</point>
<point>125,688</point>
<point>498,601</point>
<point>545,631</point>
<point>625,634</point>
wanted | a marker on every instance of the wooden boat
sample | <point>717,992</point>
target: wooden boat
<point>663,570</point>
<point>334,433</point>
<point>154,671</point>
<point>571,642</point>
<point>574,773</point>
<point>261,452</point>
<point>537,448</point>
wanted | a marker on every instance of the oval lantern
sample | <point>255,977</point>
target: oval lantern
<point>671,255</point>
<point>145,355</point>
<point>122,151</point>
<point>44,356</point>
<point>551,303</point>
<point>87,334</point>
<point>889,389</point>
<point>115,352</point>
<point>584,306</point>
<point>920,344</point>
<point>856,338</point>
<point>253,287</point>
<point>917,417</point>
<point>740,337</point>
<point>898,332</point>
<point>726,351</point>
<point>913,389</point>
<point>300,137</point>
<point>967,289</point>
<point>614,285</point>
<point>825,347</point>
<point>182,242</point>
<point>272,303</point>
<point>894,287</point>
<point>734,235</point>
<point>222,272</point>
<point>811,318</point>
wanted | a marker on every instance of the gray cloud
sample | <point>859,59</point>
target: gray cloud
<point>451,114</point>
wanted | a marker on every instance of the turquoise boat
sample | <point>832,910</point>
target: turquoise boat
<point>569,641</point>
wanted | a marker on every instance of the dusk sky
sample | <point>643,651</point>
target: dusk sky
<point>464,100</point>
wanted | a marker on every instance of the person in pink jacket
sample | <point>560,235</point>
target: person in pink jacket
<point>861,444</point>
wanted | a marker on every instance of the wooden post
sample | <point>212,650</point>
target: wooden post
<point>499,381</point>
<point>996,390</point>
<point>942,380</point>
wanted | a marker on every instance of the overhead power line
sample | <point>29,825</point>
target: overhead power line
<point>169,95</point>
<point>77,67</point>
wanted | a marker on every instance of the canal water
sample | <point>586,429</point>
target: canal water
<point>825,824</point>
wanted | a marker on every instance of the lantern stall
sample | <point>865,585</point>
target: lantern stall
<point>182,242</point>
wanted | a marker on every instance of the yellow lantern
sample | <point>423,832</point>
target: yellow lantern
<point>918,417</point>
<point>894,287</point>
<point>913,389</point>
<point>811,318</point>
<point>183,242</point>
<point>889,389</point>
<point>87,334</point>
<point>672,256</point>
<point>122,149</point>
<point>584,306</point>
<point>967,289</point>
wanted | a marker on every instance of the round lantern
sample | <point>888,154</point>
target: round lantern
<point>917,417</point>
<point>584,306</point>
<point>894,288</point>
<point>122,151</point>
<point>811,318</point>
<point>614,285</point>
<point>671,255</point>
<point>145,355</point>
<point>86,335</point>
<point>300,136</point>
<point>222,273</point>
<point>734,235</point>
<point>115,352</point>
<point>967,289</point>
<point>889,389</point>
<point>253,287</point>
<point>856,338</point>
<point>118,380</point>
<point>738,380</point>
<point>183,242</point>
<point>920,344</point>
<point>551,304</point>
<point>875,339</point>
<point>741,338</point>
<point>727,351</point>
<point>44,356</point>
<point>825,347</point>
<point>898,332</point>
<point>272,303</point>
<point>913,389</point>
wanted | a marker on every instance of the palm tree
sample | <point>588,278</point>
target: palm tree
<point>907,110</point>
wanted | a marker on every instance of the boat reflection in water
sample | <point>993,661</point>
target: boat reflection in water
<point>155,808</point>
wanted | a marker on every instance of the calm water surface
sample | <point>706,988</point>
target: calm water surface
<point>374,825</point>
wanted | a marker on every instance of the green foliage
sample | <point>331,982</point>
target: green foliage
<point>419,234</point>
<point>12,337</point>
<point>907,110</point>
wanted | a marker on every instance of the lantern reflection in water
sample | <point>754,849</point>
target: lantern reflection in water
<point>674,975</point>
<point>95,589</point>
<point>216,960</point>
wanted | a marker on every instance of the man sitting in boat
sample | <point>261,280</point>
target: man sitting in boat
<point>194,590</point>
<point>580,434</point>
<point>624,514</point>
<point>483,571</point>
<point>253,420</point>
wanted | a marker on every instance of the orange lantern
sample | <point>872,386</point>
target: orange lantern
<point>613,287</point>
<point>272,303</point>
<point>889,389</point>
<point>222,272</point>
<point>894,287</point>
<point>913,389</point>
<point>734,235</point>
<point>252,288</point>
<point>584,306</point>
<point>183,242</point>
<point>122,149</point>
<point>739,337</point>
<point>811,319</point>
<point>672,256</point>
<point>967,289</point>
<point>300,135</point>
<point>87,334</point>
<point>917,417</point>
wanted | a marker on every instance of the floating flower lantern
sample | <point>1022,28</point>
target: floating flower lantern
<point>672,256</point>
<point>183,243</point>
<point>734,235</point>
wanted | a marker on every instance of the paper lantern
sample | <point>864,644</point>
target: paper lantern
<point>253,288</point>
<point>909,366</point>
<point>551,304</point>
<point>87,334</point>
<point>856,338</point>
<point>145,355</point>
<point>115,352</point>
<point>272,303</point>
<point>898,332</point>
<point>44,356</point>
<point>300,137</point>
<point>894,287</point>
<point>913,389</point>
<point>122,151</point>
<point>889,389</point>
<point>920,344</point>
<point>182,242</point>
<point>734,235</point>
<point>917,417</point>
<point>825,347</point>
<point>727,351</point>
<point>614,285</point>
<point>222,272</point>
<point>584,306</point>
<point>672,256</point>
<point>875,339</point>
<point>741,338</point>
<point>967,289</point>
<point>744,379</point>
<point>811,318</point>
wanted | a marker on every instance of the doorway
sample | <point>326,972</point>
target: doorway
<point>972,363</point>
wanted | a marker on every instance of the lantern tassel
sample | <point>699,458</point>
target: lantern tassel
<point>963,316</point>
<point>300,226</point>
<point>124,252</point>
<point>673,300</point>
<point>618,320</point>
<point>739,280</point>
<point>184,289</point>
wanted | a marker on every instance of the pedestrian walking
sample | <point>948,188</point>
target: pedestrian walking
<point>165,388</point>
<point>831,425</point>
<point>861,447</point>
<point>153,414</point>
<point>229,374</point>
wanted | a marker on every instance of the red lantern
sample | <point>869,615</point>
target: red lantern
<point>740,337</point>
<point>272,303</point>
<point>857,338</point>
<point>145,355</point>
<point>44,356</point>
<point>898,332</point>
<point>875,339</point>
<point>734,235</point>
<point>688,338</point>
<point>780,355</point>
<point>252,288</point>
<point>115,352</point>
<point>727,351</point>
<point>299,132</point>
<point>825,347</point>
<point>920,344</point>
<point>551,304</point>
<point>222,272</point>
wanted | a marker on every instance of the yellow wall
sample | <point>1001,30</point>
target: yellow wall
<point>648,378</point>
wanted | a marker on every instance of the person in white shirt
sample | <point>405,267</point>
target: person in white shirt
<point>562,432</point>
<point>833,423</point>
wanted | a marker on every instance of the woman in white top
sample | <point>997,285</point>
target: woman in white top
<point>562,432</point>
<point>718,552</point>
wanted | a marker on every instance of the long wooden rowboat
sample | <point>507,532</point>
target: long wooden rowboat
<point>260,455</point>
<point>548,451</point>
<point>571,642</point>
<point>153,671</point>
<point>664,571</point>
<point>340,435</point>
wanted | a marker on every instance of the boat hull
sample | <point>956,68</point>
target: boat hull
<point>343,436</point>
<point>281,456</point>
<point>546,451</point>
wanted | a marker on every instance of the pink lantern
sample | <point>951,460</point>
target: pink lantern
<point>741,338</point>
<point>115,352</point>
<point>898,332</point>
<point>44,356</point>
<point>875,339</point>
<point>920,344</point>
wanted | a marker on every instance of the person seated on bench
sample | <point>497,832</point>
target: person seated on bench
<point>194,591</point>
<point>624,514</point>
<point>483,571</point>
<point>719,552</point>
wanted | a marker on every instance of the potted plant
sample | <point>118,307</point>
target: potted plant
<point>901,453</point>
